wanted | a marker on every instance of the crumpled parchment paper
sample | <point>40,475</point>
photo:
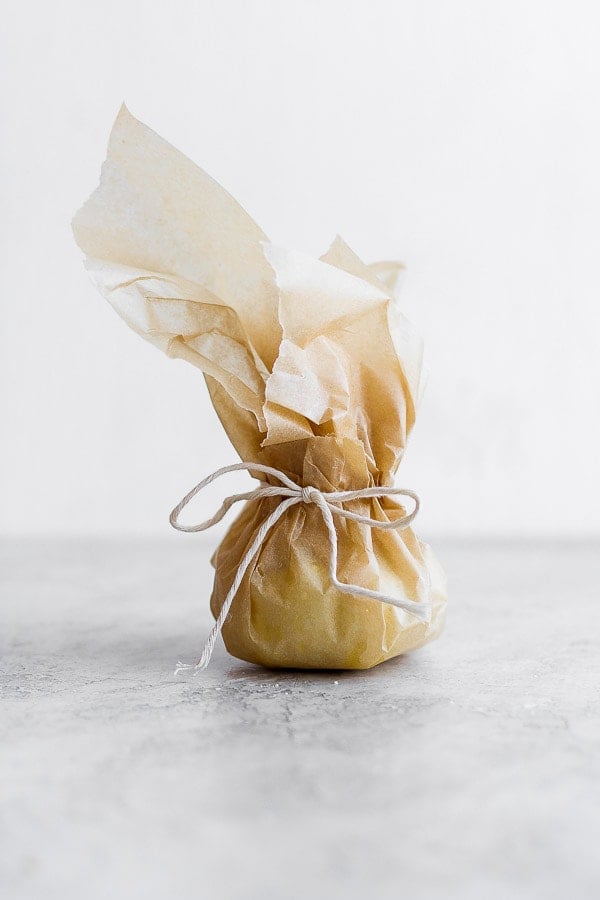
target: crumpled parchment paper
<point>311,367</point>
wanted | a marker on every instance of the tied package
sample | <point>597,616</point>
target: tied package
<point>315,375</point>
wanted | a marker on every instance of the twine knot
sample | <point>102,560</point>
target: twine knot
<point>308,494</point>
<point>330,504</point>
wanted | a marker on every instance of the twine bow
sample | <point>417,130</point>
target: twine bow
<point>291,494</point>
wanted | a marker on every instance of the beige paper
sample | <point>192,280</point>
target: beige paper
<point>312,368</point>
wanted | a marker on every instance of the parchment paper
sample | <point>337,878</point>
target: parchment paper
<point>311,367</point>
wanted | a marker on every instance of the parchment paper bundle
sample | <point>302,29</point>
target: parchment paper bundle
<point>311,368</point>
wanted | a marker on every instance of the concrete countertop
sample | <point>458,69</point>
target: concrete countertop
<point>468,769</point>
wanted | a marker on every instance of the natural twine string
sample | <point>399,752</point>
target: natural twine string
<point>291,494</point>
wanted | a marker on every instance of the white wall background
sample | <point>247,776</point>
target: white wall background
<point>462,137</point>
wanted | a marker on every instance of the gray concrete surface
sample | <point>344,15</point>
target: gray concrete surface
<point>469,769</point>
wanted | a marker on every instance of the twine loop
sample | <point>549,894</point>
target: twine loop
<point>291,494</point>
